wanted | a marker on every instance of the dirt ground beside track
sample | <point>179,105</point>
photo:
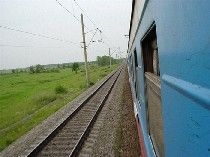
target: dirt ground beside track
<point>118,136</point>
<point>130,143</point>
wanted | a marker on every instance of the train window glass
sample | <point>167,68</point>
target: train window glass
<point>136,65</point>
<point>150,53</point>
<point>152,89</point>
<point>130,61</point>
<point>135,59</point>
<point>135,70</point>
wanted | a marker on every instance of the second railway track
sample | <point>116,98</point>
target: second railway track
<point>68,137</point>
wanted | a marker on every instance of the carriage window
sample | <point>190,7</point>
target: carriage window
<point>152,89</point>
<point>150,53</point>
<point>135,59</point>
<point>131,63</point>
<point>136,65</point>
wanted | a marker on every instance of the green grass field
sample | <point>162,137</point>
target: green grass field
<point>27,99</point>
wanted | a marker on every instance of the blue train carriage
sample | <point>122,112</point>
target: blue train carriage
<point>169,72</point>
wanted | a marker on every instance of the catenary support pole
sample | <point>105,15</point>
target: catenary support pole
<point>85,51</point>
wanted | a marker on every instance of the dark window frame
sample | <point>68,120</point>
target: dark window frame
<point>146,44</point>
<point>150,77</point>
<point>135,58</point>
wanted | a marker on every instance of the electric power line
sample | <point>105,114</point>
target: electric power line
<point>92,37</point>
<point>25,46</point>
<point>36,34</point>
<point>108,40</point>
<point>72,7</point>
<point>85,25</point>
<point>92,22</point>
<point>85,13</point>
<point>90,31</point>
<point>70,12</point>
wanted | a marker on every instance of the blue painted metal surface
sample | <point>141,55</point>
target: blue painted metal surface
<point>183,36</point>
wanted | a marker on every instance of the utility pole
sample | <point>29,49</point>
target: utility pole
<point>110,59</point>
<point>85,51</point>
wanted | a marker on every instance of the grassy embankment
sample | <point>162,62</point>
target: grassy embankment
<point>27,99</point>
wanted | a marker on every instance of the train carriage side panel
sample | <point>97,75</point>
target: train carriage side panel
<point>185,52</point>
<point>183,35</point>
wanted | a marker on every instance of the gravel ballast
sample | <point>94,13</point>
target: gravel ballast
<point>117,135</point>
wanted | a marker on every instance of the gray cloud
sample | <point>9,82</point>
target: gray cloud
<point>48,18</point>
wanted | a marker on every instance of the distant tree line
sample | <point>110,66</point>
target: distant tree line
<point>53,68</point>
<point>18,71</point>
<point>105,60</point>
<point>41,69</point>
<point>100,61</point>
<point>64,65</point>
<point>75,67</point>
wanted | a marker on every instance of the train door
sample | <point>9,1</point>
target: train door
<point>152,89</point>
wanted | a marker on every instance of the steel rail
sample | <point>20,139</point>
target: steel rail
<point>43,143</point>
<point>91,123</point>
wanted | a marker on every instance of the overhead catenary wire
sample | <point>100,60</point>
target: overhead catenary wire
<point>84,13</point>
<point>92,38</point>
<point>90,31</point>
<point>72,6</point>
<point>27,46</point>
<point>68,10</point>
<point>38,35</point>
<point>92,21</point>
<point>75,17</point>
<point>108,43</point>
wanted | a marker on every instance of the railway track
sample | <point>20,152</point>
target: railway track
<point>67,139</point>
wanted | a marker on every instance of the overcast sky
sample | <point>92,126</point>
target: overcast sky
<point>47,17</point>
